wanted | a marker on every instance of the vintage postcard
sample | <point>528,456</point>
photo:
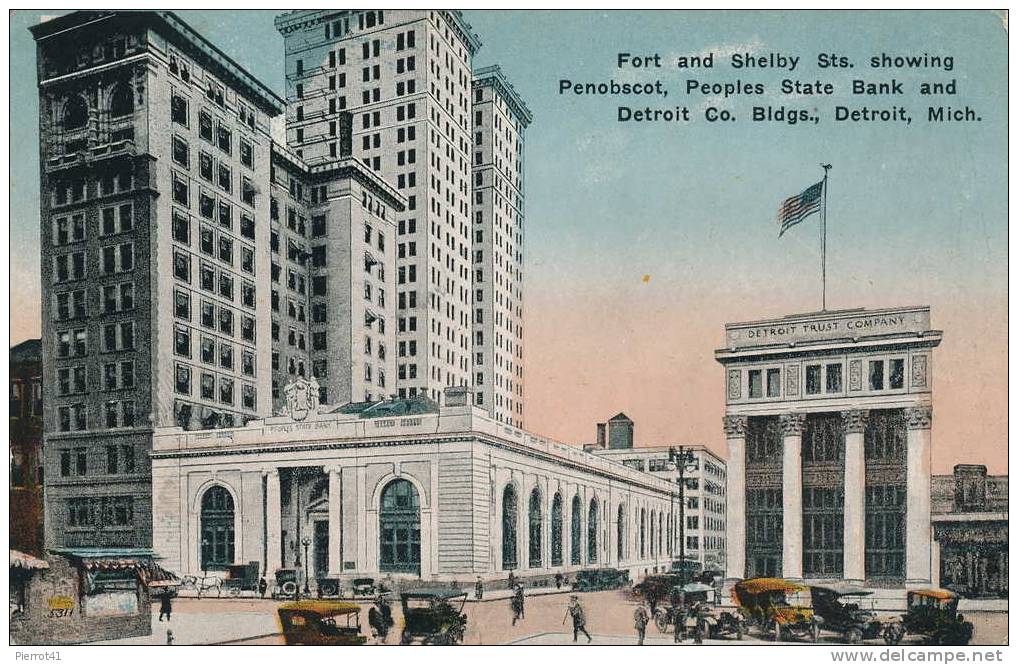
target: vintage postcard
<point>435,327</point>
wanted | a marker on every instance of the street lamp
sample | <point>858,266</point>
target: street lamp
<point>683,460</point>
<point>305,542</point>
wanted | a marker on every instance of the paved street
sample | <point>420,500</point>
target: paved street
<point>609,620</point>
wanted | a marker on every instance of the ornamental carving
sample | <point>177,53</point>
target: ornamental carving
<point>301,398</point>
<point>919,417</point>
<point>792,380</point>
<point>791,423</point>
<point>735,426</point>
<point>919,371</point>
<point>854,421</point>
<point>734,384</point>
<point>855,375</point>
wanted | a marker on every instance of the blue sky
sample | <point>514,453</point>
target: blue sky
<point>917,215</point>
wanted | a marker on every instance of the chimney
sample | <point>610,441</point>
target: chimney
<point>457,396</point>
<point>602,436</point>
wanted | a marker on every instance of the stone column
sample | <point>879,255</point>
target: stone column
<point>791,481</point>
<point>854,537</point>
<point>335,522</point>
<point>735,517</point>
<point>273,522</point>
<point>919,420</point>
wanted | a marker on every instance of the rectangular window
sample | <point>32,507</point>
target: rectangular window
<point>896,374</point>
<point>876,375</point>
<point>834,378</point>
<point>181,153</point>
<point>774,383</point>
<point>812,379</point>
<point>755,383</point>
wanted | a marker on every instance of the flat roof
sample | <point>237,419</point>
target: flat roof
<point>493,76</point>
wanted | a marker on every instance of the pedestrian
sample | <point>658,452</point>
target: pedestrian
<point>640,620</point>
<point>575,610</point>
<point>512,581</point>
<point>479,589</point>
<point>558,580</point>
<point>380,618</point>
<point>165,605</point>
<point>169,637</point>
<point>262,587</point>
<point>517,603</point>
<point>679,612</point>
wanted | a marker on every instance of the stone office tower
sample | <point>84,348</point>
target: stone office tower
<point>500,118</point>
<point>155,151</point>
<point>405,76</point>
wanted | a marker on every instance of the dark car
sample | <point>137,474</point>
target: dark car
<point>839,607</point>
<point>433,616</point>
<point>933,613</point>
<point>287,583</point>
<point>656,589</point>
<point>600,579</point>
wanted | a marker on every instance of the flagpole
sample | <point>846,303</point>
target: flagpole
<point>823,242</point>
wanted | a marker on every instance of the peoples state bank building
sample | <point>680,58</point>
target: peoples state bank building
<point>828,421</point>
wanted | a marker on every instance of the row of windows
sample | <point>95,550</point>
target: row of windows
<point>113,259</point>
<point>105,511</point>
<point>882,375</point>
<point>182,386</point>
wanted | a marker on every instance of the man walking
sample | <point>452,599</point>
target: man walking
<point>640,620</point>
<point>517,603</point>
<point>679,612</point>
<point>165,605</point>
<point>479,589</point>
<point>575,610</point>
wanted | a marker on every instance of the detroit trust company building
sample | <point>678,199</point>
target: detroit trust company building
<point>828,419</point>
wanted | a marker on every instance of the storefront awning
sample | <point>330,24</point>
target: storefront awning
<point>26,561</point>
<point>96,558</point>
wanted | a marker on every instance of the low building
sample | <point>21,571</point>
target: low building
<point>26,523</point>
<point>399,488</point>
<point>970,531</point>
<point>704,495</point>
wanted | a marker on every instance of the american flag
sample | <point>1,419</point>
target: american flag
<point>796,208</point>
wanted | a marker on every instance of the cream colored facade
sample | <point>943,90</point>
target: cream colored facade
<point>463,467</point>
<point>828,421</point>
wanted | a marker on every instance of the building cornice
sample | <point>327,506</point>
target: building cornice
<point>494,77</point>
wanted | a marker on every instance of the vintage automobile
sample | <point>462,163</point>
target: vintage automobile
<point>241,577</point>
<point>287,583</point>
<point>321,623</point>
<point>329,587</point>
<point>701,617</point>
<point>363,586</point>
<point>933,613</point>
<point>433,616</point>
<point>839,607</point>
<point>778,607</point>
<point>656,590</point>
<point>601,579</point>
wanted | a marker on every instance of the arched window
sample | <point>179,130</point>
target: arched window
<point>643,533</point>
<point>556,530</point>
<point>122,101</point>
<point>592,532</point>
<point>217,528</point>
<point>620,535</point>
<point>653,549</point>
<point>399,528</point>
<point>509,521</point>
<point>575,531</point>
<point>535,522</point>
<point>75,113</point>
<point>660,533</point>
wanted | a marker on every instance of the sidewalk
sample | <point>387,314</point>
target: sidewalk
<point>505,594</point>
<point>204,628</point>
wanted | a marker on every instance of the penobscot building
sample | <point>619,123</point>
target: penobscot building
<point>207,245</point>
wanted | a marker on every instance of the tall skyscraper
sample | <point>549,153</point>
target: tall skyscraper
<point>155,285</point>
<point>405,76</point>
<point>500,119</point>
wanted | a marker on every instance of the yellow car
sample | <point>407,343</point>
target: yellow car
<point>778,607</point>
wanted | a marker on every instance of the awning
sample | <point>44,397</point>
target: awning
<point>95,559</point>
<point>157,576</point>
<point>26,561</point>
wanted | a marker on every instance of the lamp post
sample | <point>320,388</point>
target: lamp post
<point>305,542</point>
<point>682,459</point>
